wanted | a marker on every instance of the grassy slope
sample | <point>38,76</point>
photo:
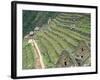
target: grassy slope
<point>59,35</point>
<point>28,57</point>
<point>64,37</point>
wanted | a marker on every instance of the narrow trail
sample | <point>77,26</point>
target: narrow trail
<point>38,57</point>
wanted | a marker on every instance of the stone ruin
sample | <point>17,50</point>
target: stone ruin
<point>80,57</point>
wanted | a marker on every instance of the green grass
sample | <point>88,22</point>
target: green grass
<point>51,50</point>
<point>81,30</point>
<point>58,48</point>
<point>28,61</point>
<point>45,54</point>
<point>65,37</point>
<point>72,33</point>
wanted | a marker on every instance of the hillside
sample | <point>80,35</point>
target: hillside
<point>58,32</point>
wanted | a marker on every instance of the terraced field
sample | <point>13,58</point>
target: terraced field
<point>63,32</point>
<point>28,56</point>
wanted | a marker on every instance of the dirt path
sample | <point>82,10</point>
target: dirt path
<point>38,57</point>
